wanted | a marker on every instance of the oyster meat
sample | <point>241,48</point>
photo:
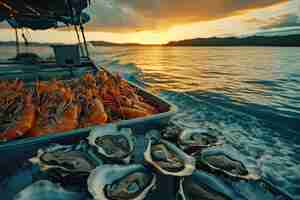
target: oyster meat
<point>218,161</point>
<point>117,146</point>
<point>64,161</point>
<point>227,164</point>
<point>113,143</point>
<point>171,132</point>
<point>112,182</point>
<point>168,159</point>
<point>192,140</point>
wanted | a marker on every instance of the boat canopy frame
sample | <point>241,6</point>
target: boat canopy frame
<point>45,9</point>
<point>36,14</point>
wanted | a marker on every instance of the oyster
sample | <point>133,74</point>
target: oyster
<point>171,132</point>
<point>219,162</point>
<point>113,143</point>
<point>111,182</point>
<point>46,190</point>
<point>66,161</point>
<point>168,159</point>
<point>203,186</point>
<point>192,140</point>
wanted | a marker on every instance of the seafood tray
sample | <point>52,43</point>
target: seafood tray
<point>23,147</point>
<point>117,164</point>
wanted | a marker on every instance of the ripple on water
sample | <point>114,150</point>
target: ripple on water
<point>263,149</point>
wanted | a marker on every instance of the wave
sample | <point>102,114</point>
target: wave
<point>270,83</point>
<point>263,147</point>
<point>285,120</point>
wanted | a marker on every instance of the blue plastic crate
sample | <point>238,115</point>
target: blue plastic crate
<point>23,148</point>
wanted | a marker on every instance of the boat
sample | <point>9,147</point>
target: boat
<point>161,162</point>
<point>71,61</point>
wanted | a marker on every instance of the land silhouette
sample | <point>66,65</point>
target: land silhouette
<point>280,41</point>
<point>289,41</point>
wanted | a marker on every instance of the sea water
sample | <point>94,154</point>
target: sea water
<point>249,95</point>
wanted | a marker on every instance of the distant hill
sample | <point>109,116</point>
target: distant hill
<point>103,43</point>
<point>289,41</point>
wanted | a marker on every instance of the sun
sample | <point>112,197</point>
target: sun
<point>147,37</point>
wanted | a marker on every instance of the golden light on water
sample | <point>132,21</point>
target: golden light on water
<point>148,37</point>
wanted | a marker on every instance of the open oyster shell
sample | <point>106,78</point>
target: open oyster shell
<point>130,182</point>
<point>112,143</point>
<point>201,185</point>
<point>192,140</point>
<point>168,159</point>
<point>217,161</point>
<point>62,161</point>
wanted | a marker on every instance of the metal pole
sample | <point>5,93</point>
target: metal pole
<point>79,41</point>
<point>81,27</point>
<point>17,42</point>
<point>84,40</point>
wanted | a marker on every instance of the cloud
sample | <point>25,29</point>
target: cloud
<point>281,21</point>
<point>141,15</point>
<point>118,16</point>
<point>110,16</point>
<point>287,20</point>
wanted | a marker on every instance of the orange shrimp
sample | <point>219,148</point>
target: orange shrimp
<point>24,124</point>
<point>67,122</point>
<point>130,113</point>
<point>93,111</point>
<point>56,112</point>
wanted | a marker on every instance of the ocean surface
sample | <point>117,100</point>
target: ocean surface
<point>249,95</point>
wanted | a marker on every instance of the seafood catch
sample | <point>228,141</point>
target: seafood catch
<point>168,159</point>
<point>56,111</point>
<point>17,111</point>
<point>171,132</point>
<point>92,108</point>
<point>192,140</point>
<point>112,182</point>
<point>113,143</point>
<point>93,112</point>
<point>66,161</point>
<point>64,105</point>
<point>219,162</point>
<point>201,185</point>
<point>121,98</point>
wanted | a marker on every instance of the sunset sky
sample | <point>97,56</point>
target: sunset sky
<point>160,21</point>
